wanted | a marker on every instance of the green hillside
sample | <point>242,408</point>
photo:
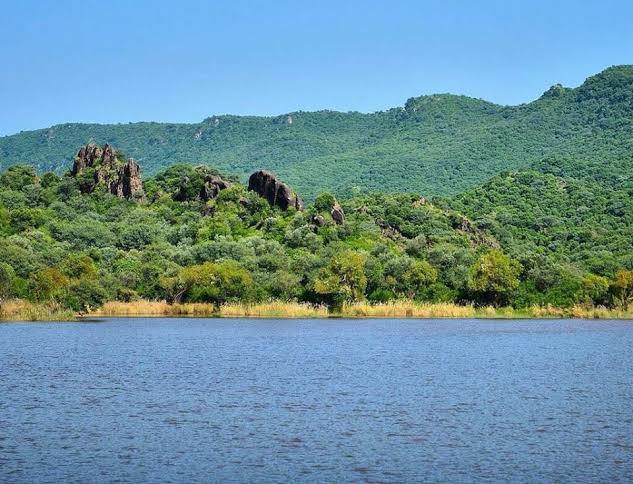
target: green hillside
<point>558,218</point>
<point>557,233</point>
<point>434,145</point>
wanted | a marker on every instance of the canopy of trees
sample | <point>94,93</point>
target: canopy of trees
<point>556,233</point>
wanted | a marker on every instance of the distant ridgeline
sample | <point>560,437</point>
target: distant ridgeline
<point>559,232</point>
<point>435,145</point>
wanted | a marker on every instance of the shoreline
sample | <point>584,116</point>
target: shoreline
<point>24,311</point>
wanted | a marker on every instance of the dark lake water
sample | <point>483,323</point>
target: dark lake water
<point>187,400</point>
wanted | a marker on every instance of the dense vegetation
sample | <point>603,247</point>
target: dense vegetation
<point>560,219</point>
<point>539,236</point>
<point>435,145</point>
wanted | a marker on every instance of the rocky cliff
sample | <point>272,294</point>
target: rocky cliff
<point>278,194</point>
<point>105,167</point>
<point>337,214</point>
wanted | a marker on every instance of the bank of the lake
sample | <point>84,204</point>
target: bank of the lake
<point>20,310</point>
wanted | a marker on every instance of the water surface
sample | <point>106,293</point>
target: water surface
<point>154,400</point>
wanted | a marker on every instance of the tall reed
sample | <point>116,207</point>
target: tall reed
<point>18,309</point>
<point>153,308</point>
<point>22,310</point>
<point>407,309</point>
<point>274,309</point>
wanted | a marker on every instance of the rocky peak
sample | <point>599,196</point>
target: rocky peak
<point>278,194</point>
<point>105,167</point>
<point>86,157</point>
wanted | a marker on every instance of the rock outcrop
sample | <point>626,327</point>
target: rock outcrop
<point>104,167</point>
<point>317,220</point>
<point>337,214</point>
<point>213,184</point>
<point>278,194</point>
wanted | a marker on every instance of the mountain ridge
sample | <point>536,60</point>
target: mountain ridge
<point>436,144</point>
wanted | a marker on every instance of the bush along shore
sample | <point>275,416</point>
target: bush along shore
<point>207,244</point>
<point>20,310</point>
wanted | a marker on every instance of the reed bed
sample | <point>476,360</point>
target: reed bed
<point>153,308</point>
<point>407,309</point>
<point>21,310</point>
<point>412,309</point>
<point>274,309</point>
<point>581,312</point>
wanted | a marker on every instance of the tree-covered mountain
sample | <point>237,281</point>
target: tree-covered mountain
<point>434,145</point>
<point>559,232</point>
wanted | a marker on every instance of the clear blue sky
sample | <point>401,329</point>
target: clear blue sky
<point>120,61</point>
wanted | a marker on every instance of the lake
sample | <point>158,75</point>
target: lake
<point>246,400</point>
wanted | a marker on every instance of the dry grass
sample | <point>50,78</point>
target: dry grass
<point>21,310</point>
<point>600,312</point>
<point>578,311</point>
<point>394,309</point>
<point>153,308</point>
<point>407,309</point>
<point>411,309</point>
<point>274,309</point>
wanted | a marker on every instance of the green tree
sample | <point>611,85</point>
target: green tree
<point>7,278</point>
<point>494,276</point>
<point>85,294</point>
<point>17,177</point>
<point>419,277</point>
<point>593,289</point>
<point>78,265</point>
<point>343,279</point>
<point>49,283</point>
<point>623,285</point>
<point>211,282</point>
<point>324,202</point>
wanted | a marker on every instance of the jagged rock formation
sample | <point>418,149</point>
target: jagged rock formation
<point>213,184</point>
<point>337,214</point>
<point>278,194</point>
<point>102,167</point>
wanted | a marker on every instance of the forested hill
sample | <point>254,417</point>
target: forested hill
<point>558,214</point>
<point>434,145</point>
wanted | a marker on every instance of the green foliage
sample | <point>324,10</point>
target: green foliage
<point>17,177</point>
<point>594,289</point>
<point>343,279</point>
<point>582,216</point>
<point>324,202</point>
<point>7,279</point>
<point>48,284</point>
<point>559,203</point>
<point>84,294</point>
<point>215,283</point>
<point>624,287</point>
<point>495,276</point>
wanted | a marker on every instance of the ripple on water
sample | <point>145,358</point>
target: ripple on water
<point>149,400</point>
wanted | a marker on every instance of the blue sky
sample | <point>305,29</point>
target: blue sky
<point>181,61</point>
